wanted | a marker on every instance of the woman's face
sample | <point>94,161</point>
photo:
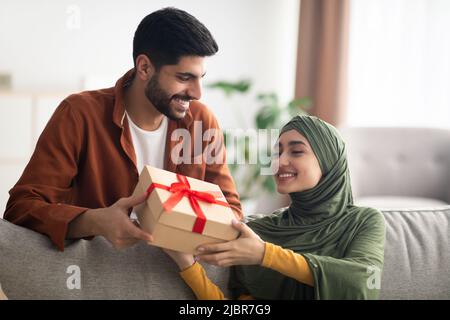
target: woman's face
<point>295,165</point>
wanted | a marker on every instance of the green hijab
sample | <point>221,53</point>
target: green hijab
<point>342,243</point>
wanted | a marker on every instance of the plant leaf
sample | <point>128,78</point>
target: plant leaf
<point>267,117</point>
<point>230,88</point>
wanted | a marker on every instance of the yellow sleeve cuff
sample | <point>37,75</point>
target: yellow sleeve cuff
<point>268,255</point>
<point>287,262</point>
<point>197,279</point>
<point>192,273</point>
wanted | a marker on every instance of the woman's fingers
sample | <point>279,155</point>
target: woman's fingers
<point>223,261</point>
<point>215,247</point>
<point>216,259</point>
<point>228,263</point>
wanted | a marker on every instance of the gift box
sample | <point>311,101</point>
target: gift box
<point>182,212</point>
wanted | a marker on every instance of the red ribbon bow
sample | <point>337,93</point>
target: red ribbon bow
<point>182,189</point>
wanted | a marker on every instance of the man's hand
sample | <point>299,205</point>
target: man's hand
<point>112,223</point>
<point>246,250</point>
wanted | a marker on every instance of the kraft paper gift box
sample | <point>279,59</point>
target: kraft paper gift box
<point>182,212</point>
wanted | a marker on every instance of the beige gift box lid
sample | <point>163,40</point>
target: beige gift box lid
<point>173,230</point>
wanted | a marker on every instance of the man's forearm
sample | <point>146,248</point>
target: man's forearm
<point>84,225</point>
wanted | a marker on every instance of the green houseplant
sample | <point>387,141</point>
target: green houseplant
<point>271,114</point>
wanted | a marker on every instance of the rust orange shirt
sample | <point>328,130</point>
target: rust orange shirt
<point>84,159</point>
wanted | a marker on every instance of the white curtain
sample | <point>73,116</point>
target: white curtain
<point>399,63</point>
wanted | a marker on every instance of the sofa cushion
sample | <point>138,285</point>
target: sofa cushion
<point>417,264</point>
<point>398,203</point>
<point>32,268</point>
<point>417,254</point>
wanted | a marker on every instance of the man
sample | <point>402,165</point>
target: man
<point>88,158</point>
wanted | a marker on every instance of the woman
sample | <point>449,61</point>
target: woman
<point>321,247</point>
<point>2,295</point>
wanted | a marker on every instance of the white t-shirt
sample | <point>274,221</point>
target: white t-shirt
<point>149,146</point>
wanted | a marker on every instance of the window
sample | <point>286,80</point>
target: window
<point>399,63</point>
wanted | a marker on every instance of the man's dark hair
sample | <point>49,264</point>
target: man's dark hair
<point>166,35</point>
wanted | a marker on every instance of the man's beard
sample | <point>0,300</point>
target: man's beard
<point>161,99</point>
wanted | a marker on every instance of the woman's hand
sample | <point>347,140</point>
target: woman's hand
<point>183,260</point>
<point>245,250</point>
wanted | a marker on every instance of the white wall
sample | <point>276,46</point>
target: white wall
<point>44,51</point>
<point>39,46</point>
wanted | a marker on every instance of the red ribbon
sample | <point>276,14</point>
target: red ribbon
<point>182,189</point>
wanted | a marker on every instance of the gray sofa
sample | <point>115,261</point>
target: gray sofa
<point>417,264</point>
<point>399,167</point>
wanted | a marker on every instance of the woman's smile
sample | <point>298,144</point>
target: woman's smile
<point>283,177</point>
